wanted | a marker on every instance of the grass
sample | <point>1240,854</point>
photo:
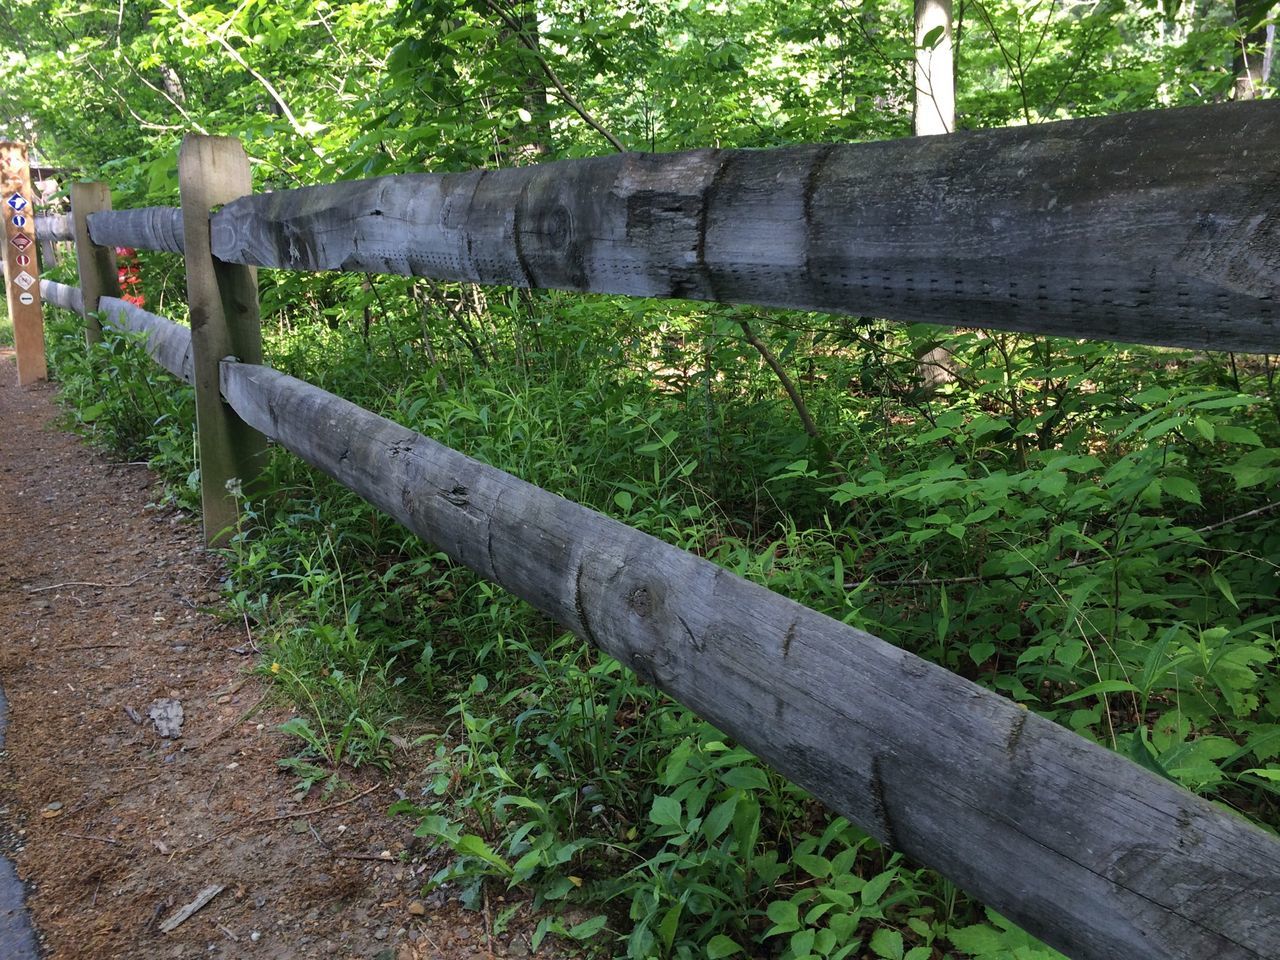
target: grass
<point>6,329</point>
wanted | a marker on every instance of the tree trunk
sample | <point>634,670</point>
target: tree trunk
<point>935,113</point>
<point>935,100</point>
<point>1250,52</point>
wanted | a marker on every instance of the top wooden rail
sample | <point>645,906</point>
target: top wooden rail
<point>1159,227</point>
<point>55,226</point>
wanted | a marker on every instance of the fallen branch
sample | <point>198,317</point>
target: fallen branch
<point>1074,564</point>
<point>85,836</point>
<point>376,857</point>
<point>85,583</point>
<point>230,726</point>
<point>324,809</point>
<point>187,912</point>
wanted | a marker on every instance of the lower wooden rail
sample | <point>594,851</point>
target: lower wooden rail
<point>168,343</point>
<point>1081,847</point>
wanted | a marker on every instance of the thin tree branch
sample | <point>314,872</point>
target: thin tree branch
<point>176,7</point>
<point>788,384</point>
<point>518,30</point>
<point>191,121</point>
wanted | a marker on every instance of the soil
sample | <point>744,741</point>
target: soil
<point>109,604</point>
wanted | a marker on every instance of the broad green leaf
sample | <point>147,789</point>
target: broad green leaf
<point>721,946</point>
<point>887,944</point>
<point>665,811</point>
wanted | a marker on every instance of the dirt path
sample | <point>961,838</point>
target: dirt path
<point>107,605</point>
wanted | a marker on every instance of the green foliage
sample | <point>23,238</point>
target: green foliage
<point>147,415</point>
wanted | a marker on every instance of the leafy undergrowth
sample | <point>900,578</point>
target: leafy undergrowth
<point>1087,529</point>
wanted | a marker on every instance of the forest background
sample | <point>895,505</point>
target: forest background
<point>1089,529</point>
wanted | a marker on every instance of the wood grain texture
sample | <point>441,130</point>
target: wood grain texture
<point>62,295</point>
<point>144,228</point>
<point>1147,227</point>
<point>56,226</point>
<point>168,343</point>
<point>96,263</point>
<point>1081,847</point>
<point>223,302</point>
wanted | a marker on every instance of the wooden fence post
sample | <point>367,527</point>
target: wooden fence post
<point>97,265</point>
<point>22,276</point>
<point>223,302</point>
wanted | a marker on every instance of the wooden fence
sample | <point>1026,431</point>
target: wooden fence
<point>1161,228</point>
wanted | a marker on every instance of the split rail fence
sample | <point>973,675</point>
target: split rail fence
<point>1159,228</point>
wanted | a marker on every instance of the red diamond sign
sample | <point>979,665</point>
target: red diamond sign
<point>21,241</point>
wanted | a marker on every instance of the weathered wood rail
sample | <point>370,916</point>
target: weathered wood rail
<point>1147,227</point>
<point>167,343</point>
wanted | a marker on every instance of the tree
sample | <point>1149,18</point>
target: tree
<point>935,113</point>
<point>1250,60</point>
<point>935,81</point>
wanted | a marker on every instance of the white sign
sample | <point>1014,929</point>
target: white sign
<point>17,202</point>
<point>26,299</point>
<point>24,280</point>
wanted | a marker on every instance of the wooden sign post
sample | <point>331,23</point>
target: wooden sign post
<point>22,274</point>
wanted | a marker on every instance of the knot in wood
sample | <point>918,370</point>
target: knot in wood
<point>457,495</point>
<point>640,601</point>
<point>558,228</point>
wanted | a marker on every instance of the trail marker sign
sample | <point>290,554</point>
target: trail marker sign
<point>23,289</point>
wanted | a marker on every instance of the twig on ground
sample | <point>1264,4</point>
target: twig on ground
<point>85,583</point>
<point>488,926</point>
<point>376,857</point>
<point>230,726</point>
<point>324,809</point>
<point>85,836</point>
<point>187,912</point>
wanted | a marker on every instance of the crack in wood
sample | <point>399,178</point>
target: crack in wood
<point>488,538</point>
<point>880,803</point>
<point>1015,732</point>
<point>579,607</point>
<point>693,638</point>
<point>789,638</point>
<point>456,495</point>
<point>704,211</point>
<point>517,227</point>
